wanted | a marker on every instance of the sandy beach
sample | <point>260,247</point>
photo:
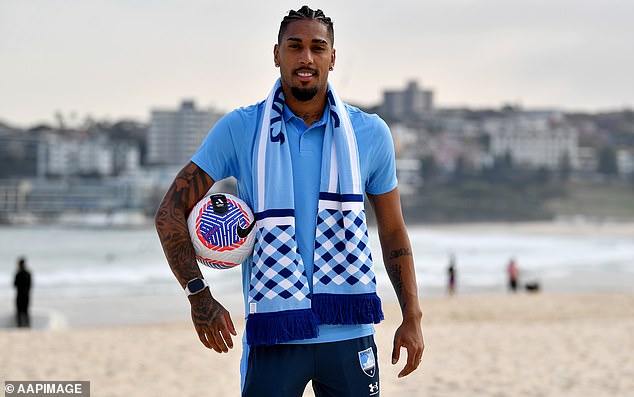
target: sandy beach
<point>477,345</point>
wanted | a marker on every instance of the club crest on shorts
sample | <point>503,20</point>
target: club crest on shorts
<point>367,361</point>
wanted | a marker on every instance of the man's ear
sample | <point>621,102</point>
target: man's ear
<point>333,57</point>
<point>276,58</point>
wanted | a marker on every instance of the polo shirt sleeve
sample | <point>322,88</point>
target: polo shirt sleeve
<point>382,172</point>
<point>217,154</point>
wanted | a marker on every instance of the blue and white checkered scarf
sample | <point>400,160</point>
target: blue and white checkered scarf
<point>281,307</point>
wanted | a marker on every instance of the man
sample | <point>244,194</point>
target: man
<point>303,161</point>
<point>22,284</point>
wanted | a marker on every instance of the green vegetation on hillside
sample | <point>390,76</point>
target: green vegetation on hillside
<point>606,200</point>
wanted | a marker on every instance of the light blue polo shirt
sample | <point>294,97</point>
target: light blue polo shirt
<point>228,151</point>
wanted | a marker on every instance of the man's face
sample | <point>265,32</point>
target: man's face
<point>305,55</point>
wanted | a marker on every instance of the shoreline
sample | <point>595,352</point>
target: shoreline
<point>561,227</point>
<point>572,224</point>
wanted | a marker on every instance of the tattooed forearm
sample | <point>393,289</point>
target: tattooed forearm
<point>171,220</point>
<point>178,249</point>
<point>395,272</point>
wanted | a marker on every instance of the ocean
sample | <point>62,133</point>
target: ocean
<point>84,271</point>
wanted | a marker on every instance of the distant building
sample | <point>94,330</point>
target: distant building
<point>587,160</point>
<point>175,135</point>
<point>408,162</point>
<point>625,162</point>
<point>533,141</point>
<point>62,156</point>
<point>18,153</point>
<point>409,104</point>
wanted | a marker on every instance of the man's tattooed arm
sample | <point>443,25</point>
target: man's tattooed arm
<point>211,320</point>
<point>189,186</point>
<point>399,264</point>
<point>397,250</point>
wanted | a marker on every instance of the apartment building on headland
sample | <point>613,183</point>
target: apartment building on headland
<point>412,103</point>
<point>97,155</point>
<point>175,134</point>
<point>534,140</point>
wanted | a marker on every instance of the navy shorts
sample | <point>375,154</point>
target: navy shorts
<point>347,368</point>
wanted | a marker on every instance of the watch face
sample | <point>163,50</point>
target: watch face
<point>195,285</point>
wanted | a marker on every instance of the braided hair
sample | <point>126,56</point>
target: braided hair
<point>306,13</point>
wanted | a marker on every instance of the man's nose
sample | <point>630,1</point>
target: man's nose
<point>306,57</point>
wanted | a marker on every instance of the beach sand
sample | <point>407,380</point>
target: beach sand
<point>489,345</point>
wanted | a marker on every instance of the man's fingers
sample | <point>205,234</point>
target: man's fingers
<point>412,364</point>
<point>414,358</point>
<point>226,335</point>
<point>396,351</point>
<point>232,328</point>
<point>225,329</point>
<point>203,338</point>
<point>206,336</point>
<point>219,342</point>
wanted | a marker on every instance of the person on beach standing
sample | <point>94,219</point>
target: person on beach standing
<point>451,275</point>
<point>22,284</point>
<point>303,161</point>
<point>513,274</point>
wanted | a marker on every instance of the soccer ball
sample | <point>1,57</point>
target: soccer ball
<point>221,229</point>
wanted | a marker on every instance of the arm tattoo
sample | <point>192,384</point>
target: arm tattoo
<point>171,220</point>
<point>395,273</point>
<point>400,252</point>
<point>205,311</point>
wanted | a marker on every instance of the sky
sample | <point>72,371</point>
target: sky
<point>114,59</point>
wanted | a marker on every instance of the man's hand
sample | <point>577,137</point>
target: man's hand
<point>410,336</point>
<point>212,322</point>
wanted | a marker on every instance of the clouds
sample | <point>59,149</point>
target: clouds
<point>119,58</point>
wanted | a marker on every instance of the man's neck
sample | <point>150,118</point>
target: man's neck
<point>309,111</point>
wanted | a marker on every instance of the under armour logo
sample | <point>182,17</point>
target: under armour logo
<point>374,388</point>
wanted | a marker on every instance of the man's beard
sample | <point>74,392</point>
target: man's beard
<point>304,94</point>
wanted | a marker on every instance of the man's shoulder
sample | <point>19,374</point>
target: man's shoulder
<point>368,126</point>
<point>246,114</point>
<point>363,119</point>
<point>357,113</point>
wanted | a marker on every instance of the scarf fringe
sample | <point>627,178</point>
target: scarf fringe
<point>280,327</point>
<point>347,309</point>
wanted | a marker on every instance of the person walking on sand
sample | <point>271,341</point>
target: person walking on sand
<point>303,161</point>
<point>513,274</point>
<point>22,284</point>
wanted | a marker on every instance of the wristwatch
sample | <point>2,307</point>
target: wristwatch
<point>195,286</point>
